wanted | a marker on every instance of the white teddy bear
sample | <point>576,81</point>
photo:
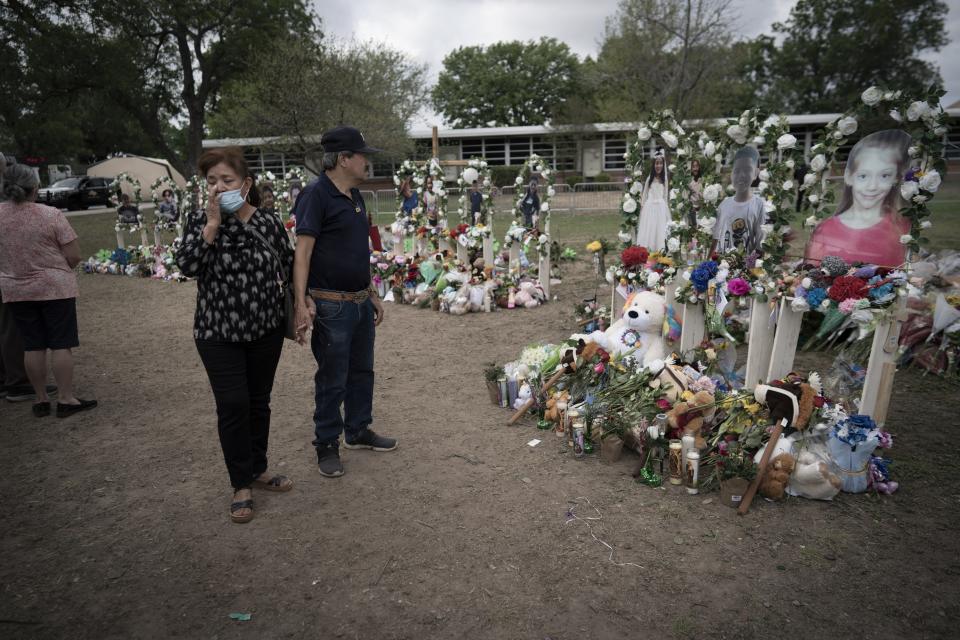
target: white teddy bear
<point>639,331</point>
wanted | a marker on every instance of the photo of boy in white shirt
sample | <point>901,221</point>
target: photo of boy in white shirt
<point>741,216</point>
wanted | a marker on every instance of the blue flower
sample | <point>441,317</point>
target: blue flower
<point>816,296</point>
<point>877,292</point>
<point>702,275</point>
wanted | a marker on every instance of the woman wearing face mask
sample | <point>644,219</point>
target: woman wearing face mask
<point>236,252</point>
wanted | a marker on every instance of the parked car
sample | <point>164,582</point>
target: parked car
<point>78,192</point>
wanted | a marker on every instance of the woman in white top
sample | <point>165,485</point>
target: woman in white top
<point>654,214</point>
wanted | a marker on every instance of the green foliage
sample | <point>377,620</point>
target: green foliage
<point>601,177</point>
<point>828,51</point>
<point>503,176</point>
<point>492,372</point>
<point>304,86</point>
<point>505,84</point>
<point>675,54</point>
<point>573,180</point>
<point>155,62</point>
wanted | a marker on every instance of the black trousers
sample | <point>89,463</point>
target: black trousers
<point>241,376</point>
<point>12,372</point>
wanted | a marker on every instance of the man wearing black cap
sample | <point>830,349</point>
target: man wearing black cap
<point>332,265</point>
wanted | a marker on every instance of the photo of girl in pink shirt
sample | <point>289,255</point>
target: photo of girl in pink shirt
<point>867,225</point>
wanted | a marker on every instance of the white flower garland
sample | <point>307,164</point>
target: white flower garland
<point>533,164</point>
<point>476,170</point>
<point>160,185</point>
<point>126,178</point>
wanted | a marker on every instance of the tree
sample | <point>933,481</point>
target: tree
<point>831,50</point>
<point>507,83</point>
<point>305,86</point>
<point>159,61</point>
<point>657,54</point>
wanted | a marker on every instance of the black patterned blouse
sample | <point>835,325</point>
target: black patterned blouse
<point>238,296</point>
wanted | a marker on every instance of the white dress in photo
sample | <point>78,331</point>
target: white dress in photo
<point>654,216</point>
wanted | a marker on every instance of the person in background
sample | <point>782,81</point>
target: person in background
<point>127,212</point>
<point>38,251</point>
<point>530,205</point>
<point>167,209</point>
<point>236,252</point>
<point>333,260</point>
<point>476,202</point>
<point>14,385</point>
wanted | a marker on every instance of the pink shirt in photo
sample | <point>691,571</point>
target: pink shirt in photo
<point>879,244</point>
<point>32,267</point>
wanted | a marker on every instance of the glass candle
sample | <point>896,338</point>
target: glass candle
<point>676,462</point>
<point>693,471</point>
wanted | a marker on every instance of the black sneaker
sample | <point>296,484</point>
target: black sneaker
<point>367,439</point>
<point>41,409</point>
<point>328,460</point>
<point>24,392</point>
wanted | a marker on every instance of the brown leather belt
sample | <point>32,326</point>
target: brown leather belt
<point>340,296</point>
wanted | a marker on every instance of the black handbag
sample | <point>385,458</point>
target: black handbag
<point>290,328</point>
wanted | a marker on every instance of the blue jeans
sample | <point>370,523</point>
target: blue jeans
<point>342,343</point>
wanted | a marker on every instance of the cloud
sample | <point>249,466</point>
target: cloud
<point>429,29</point>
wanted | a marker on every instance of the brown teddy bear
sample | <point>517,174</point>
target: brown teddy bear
<point>777,476</point>
<point>552,413</point>
<point>688,417</point>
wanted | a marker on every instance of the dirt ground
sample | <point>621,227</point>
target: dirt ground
<point>115,522</point>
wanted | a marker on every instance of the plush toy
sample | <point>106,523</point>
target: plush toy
<point>552,413</point>
<point>461,302</point>
<point>530,295</point>
<point>792,401</point>
<point>524,394</point>
<point>690,416</point>
<point>639,331</point>
<point>812,478</point>
<point>777,476</point>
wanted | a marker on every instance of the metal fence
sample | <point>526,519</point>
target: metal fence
<point>589,197</point>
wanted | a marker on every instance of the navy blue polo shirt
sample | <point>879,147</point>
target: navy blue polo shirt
<point>341,254</point>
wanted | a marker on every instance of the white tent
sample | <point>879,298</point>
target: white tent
<point>146,170</point>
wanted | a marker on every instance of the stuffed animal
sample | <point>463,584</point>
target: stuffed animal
<point>812,478</point>
<point>552,413</point>
<point>690,416</point>
<point>524,394</point>
<point>639,331</point>
<point>792,401</point>
<point>777,476</point>
<point>461,302</point>
<point>530,295</point>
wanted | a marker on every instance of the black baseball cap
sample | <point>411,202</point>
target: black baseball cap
<point>345,139</point>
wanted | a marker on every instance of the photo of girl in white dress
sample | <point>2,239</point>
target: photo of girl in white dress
<point>654,212</point>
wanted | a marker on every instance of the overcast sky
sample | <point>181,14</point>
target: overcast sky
<point>428,29</point>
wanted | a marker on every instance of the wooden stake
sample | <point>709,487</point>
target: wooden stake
<point>436,142</point>
<point>764,460</point>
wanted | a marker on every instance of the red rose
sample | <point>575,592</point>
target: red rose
<point>663,403</point>
<point>634,256</point>
<point>846,287</point>
<point>818,401</point>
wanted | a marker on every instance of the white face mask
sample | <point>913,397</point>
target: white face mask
<point>231,201</point>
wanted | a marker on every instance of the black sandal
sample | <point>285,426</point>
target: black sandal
<point>41,409</point>
<point>67,410</point>
<point>276,483</point>
<point>237,506</point>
